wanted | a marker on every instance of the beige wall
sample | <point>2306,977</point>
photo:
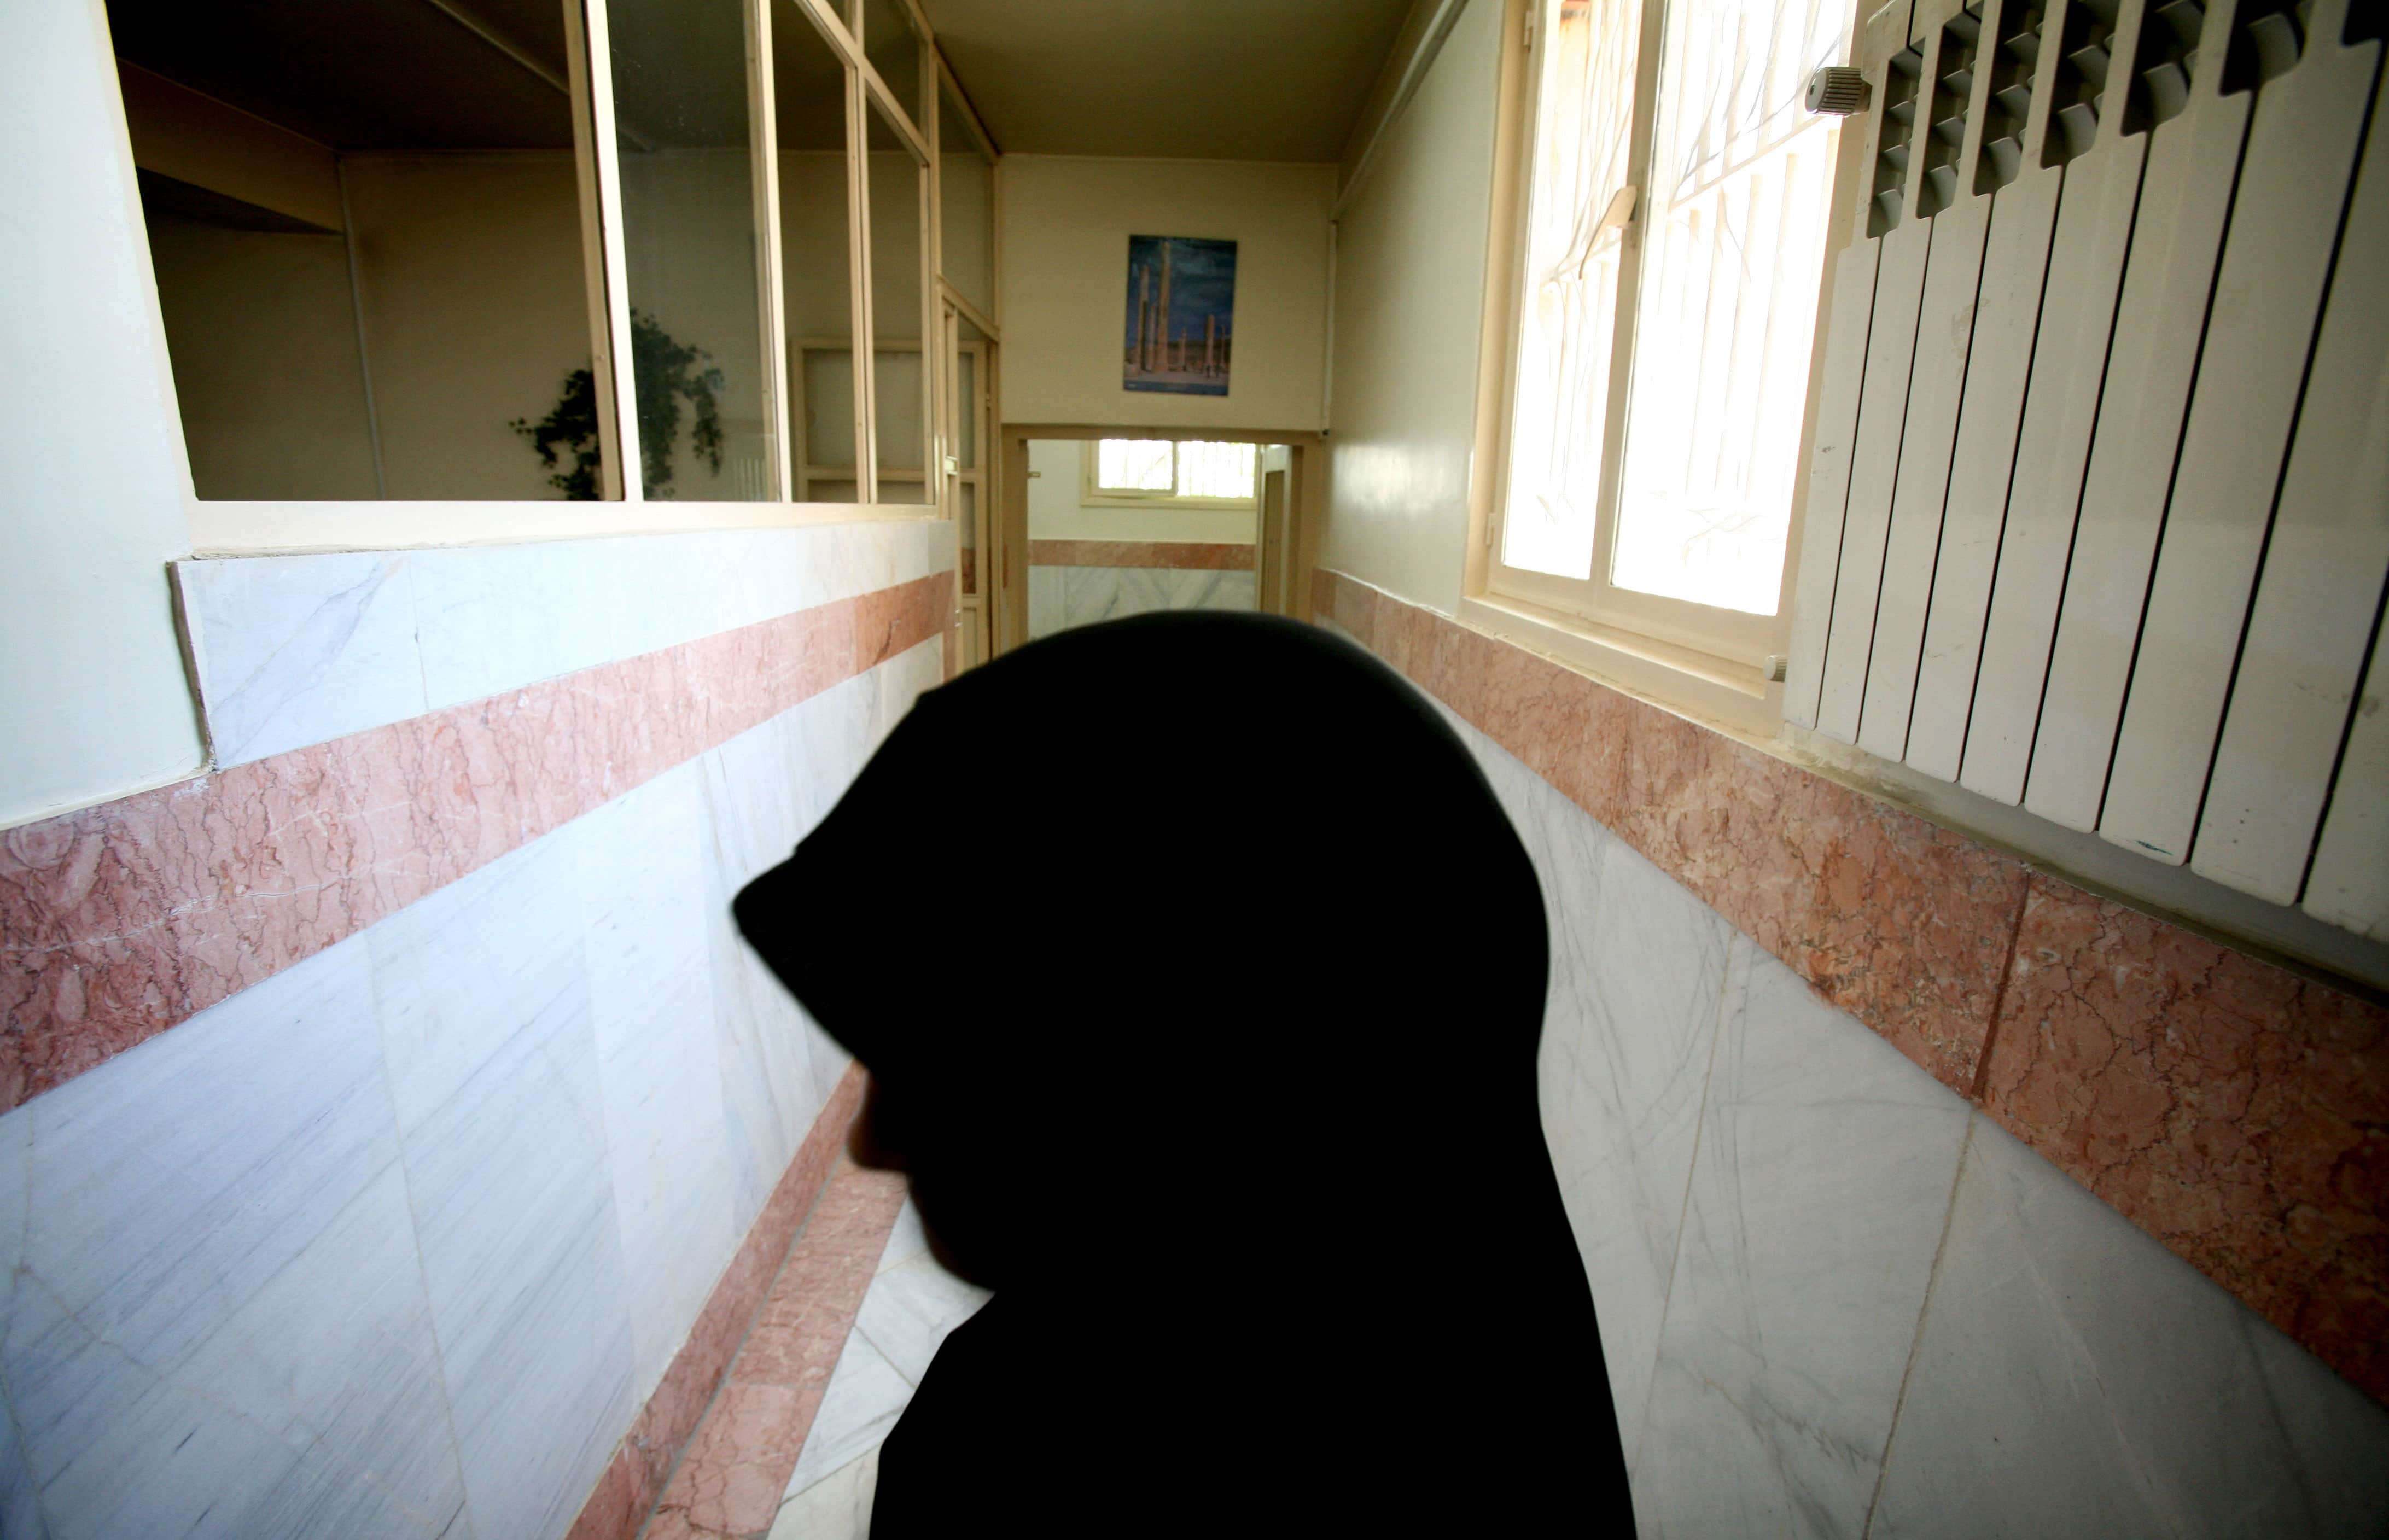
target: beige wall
<point>1063,246</point>
<point>471,288</point>
<point>264,347</point>
<point>1055,512</point>
<point>92,698</point>
<point>178,133</point>
<point>1410,280</point>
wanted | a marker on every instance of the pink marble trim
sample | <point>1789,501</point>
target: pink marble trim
<point>634,1479</point>
<point>2235,1111</point>
<point>1201,556</point>
<point>124,920</point>
<point>735,1469</point>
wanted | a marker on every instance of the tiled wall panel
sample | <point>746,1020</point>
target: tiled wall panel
<point>1837,1301</point>
<point>399,1238</point>
<point>295,650</point>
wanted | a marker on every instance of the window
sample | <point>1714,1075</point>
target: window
<point>1674,249</point>
<point>639,250</point>
<point>1156,470</point>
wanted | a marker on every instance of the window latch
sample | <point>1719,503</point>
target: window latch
<point>1839,91</point>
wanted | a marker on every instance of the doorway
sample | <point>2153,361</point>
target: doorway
<point>1101,524</point>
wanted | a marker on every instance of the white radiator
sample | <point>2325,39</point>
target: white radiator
<point>2098,511</point>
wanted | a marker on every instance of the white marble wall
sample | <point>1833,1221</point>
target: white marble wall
<point>1836,1301</point>
<point>397,1242</point>
<point>1060,597</point>
<point>295,650</point>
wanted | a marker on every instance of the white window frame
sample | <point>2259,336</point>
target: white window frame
<point>1092,495</point>
<point>1663,641</point>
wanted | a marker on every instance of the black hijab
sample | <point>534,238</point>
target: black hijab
<point>1200,978</point>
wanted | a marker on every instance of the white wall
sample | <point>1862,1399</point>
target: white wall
<point>93,700</point>
<point>1063,246</point>
<point>1409,281</point>
<point>1055,513</point>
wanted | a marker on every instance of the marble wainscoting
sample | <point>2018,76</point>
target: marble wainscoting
<point>2230,1108</point>
<point>127,918</point>
<point>448,1224</point>
<point>1838,1300</point>
<point>302,649</point>
<point>1080,582</point>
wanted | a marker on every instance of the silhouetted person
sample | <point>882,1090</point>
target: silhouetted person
<point>1200,976</point>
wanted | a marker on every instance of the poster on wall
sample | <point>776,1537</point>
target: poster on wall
<point>1181,312</point>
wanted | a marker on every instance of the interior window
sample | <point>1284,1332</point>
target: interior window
<point>366,237</point>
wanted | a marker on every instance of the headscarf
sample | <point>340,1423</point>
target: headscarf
<point>1201,977</point>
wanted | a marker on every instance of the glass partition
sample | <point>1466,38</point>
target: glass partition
<point>966,408</point>
<point>405,318</point>
<point>893,46</point>
<point>898,284</point>
<point>689,199</point>
<point>966,207</point>
<point>816,279</point>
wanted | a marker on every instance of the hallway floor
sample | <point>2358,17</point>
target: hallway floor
<point>789,1449</point>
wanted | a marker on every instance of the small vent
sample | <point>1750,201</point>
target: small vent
<point>2081,80</point>
<point>2168,63</point>
<point>1945,132</point>
<point>1905,74</point>
<point>2267,40</point>
<point>2011,64</point>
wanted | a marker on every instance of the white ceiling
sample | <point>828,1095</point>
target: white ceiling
<point>1233,79</point>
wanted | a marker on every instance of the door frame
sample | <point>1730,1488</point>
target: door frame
<point>1283,567</point>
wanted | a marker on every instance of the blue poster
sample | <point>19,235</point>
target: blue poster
<point>1181,312</point>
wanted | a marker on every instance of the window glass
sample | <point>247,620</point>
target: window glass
<point>899,279</point>
<point>1574,236</point>
<point>966,194</point>
<point>1134,465</point>
<point>1216,470</point>
<point>893,47</point>
<point>689,186</point>
<point>969,361</point>
<point>1734,258</point>
<point>1159,468</point>
<point>809,95</point>
<point>368,289</point>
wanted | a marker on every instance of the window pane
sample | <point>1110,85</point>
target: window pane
<point>809,94</point>
<point>689,227</point>
<point>966,401</point>
<point>1733,255</point>
<point>1585,123</point>
<point>894,49</point>
<point>1216,470</point>
<point>1134,464</point>
<point>967,186</point>
<point>900,388</point>
<point>407,317</point>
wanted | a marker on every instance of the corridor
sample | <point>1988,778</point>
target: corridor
<point>1893,500</point>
